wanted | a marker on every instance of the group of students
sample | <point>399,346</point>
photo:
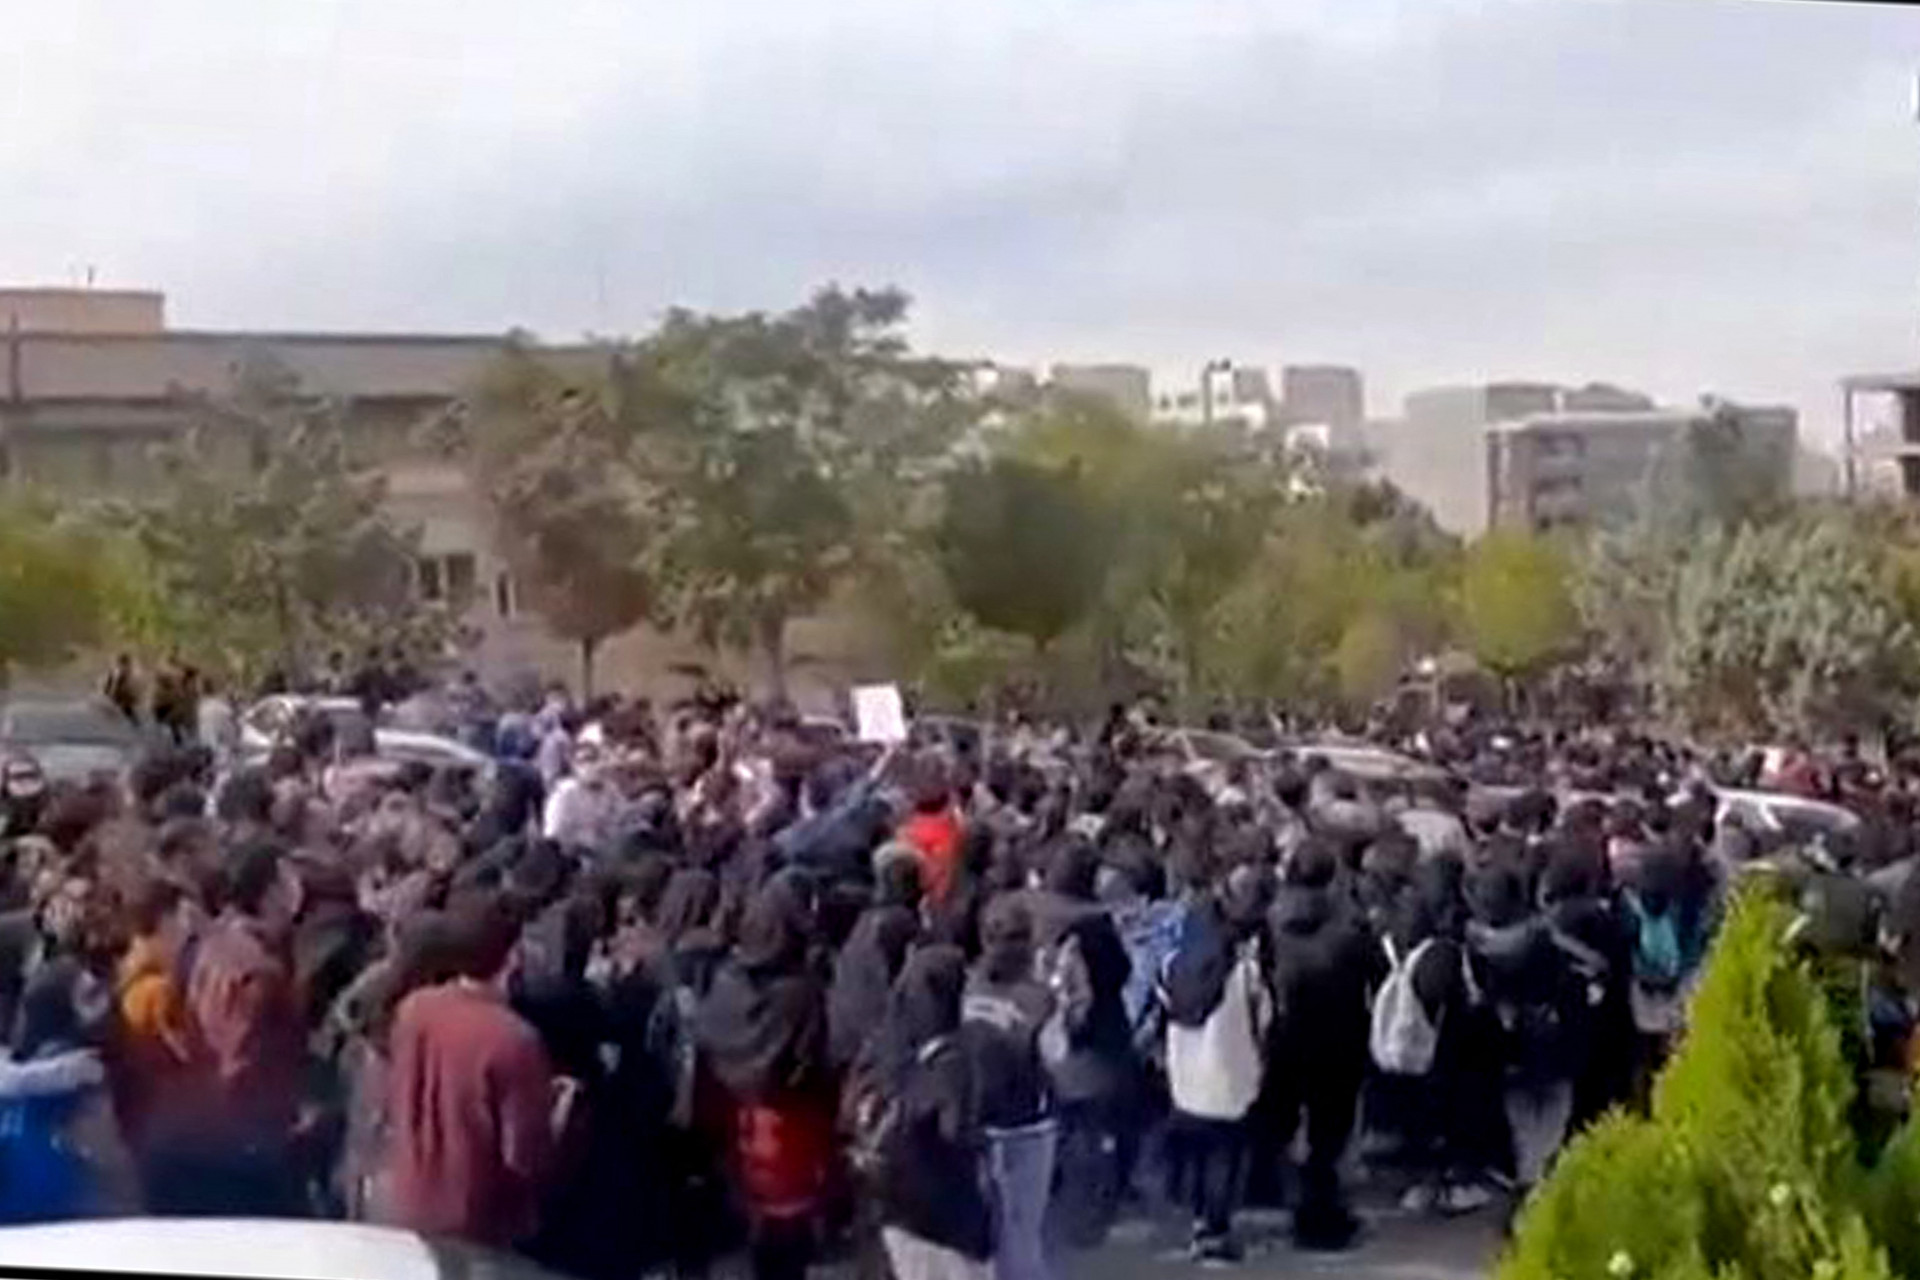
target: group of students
<point>660,988</point>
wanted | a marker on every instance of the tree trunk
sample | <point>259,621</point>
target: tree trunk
<point>772,640</point>
<point>589,646</point>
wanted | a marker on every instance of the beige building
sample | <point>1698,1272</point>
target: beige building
<point>93,382</point>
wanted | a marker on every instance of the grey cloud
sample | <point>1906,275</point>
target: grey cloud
<point>1689,193</point>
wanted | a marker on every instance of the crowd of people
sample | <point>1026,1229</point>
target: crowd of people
<point>662,986</point>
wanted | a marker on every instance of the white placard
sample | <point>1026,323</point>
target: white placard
<point>879,714</point>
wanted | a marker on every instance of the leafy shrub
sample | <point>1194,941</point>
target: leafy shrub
<point>1621,1201</point>
<point>1747,1167</point>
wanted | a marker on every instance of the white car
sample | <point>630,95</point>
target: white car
<point>1369,763</point>
<point>267,722</point>
<point>1783,813</point>
<point>251,1249</point>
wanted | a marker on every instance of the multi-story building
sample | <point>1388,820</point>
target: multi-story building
<point>93,383</point>
<point>1128,387</point>
<point>1329,393</point>
<point>1599,466</point>
<point>1226,392</point>
<point>1435,452</point>
<point>1881,449</point>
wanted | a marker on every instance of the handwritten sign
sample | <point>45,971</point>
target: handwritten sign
<point>879,714</point>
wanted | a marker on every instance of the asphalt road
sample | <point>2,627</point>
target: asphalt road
<point>1395,1246</point>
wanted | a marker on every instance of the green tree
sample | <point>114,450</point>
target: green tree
<point>1024,548</point>
<point>551,450</point>
<point>1516,604</point>
<point>1722,470</point>
<point>56,587</point>
<point>1795,625</point>
<point>771,448</point>
<point>266,543</point>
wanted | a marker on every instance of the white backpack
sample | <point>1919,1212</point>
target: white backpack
<point>1403,1037</point>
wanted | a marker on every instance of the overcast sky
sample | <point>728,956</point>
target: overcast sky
<point>1678,194</point>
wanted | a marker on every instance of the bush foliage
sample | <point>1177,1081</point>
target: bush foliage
<point>1746,1166</point>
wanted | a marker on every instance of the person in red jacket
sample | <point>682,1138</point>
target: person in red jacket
<point>933,832</point>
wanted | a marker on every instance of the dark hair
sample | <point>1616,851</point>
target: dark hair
<point>181,800</point>
<point>252,873</point>
<point>481,931</point>
<point>247,797</point>
<point>1312,865</point>
<point>152,903</point>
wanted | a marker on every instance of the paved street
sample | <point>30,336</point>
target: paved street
<point>1396,1247</point>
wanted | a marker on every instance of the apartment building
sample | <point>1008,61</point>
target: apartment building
<point>1597,466</point>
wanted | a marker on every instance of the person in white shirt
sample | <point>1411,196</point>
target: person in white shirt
<point>581,807</point>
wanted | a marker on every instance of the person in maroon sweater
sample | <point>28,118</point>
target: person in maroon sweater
<point>472,1096</point>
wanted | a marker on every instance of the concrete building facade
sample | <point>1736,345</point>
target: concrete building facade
<point>1588,467</point>
<point>1330,393</point>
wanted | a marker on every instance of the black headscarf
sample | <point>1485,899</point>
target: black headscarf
<point>688,905</point>
<point>764,1024</point>
<point>863,975</point>
<point>924,1005</point>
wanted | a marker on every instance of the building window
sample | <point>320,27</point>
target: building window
<point>445,579</point>
<point>505,601</point>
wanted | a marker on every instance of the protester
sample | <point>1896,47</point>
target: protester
<point>1218,1009</point>
<point>936,1222</point>
<point>1008,1015</point>
<point>763,1027</point>
<point>231,1151</point>
<point>475,1107</point>
<point>663,984</point>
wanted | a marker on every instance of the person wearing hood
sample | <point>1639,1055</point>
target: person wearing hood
<point>935,1220</point>
<point>654,1010</point>
<point>864,971</point>
<point>1007,1013</point>
<point>1324,964</point>
<point>1530,985</point>
<point>763,1031</point>
<point>60,1152</point>
<point>1219,1008</point>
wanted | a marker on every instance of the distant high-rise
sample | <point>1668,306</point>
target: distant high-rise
<point>1329,393</point>
<point>1128,387</point>
<point>1436,452</point>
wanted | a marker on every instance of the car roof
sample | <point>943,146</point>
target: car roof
<point>267,1248</point>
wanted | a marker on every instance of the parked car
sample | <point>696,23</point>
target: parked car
<point>1368,762</point>
<point>71,740</point>
<point>1785,814</point>
<point>268,721</point>
<point>251,1249</point>
<point>1211,746</point>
